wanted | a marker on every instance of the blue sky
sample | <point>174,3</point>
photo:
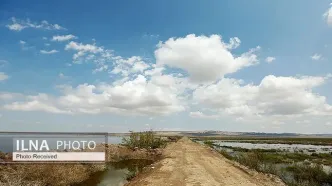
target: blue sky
<point>273,77</point>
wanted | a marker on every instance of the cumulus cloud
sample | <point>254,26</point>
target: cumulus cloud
<point>48,52</point>
<point>3,76</point>
<point>205,58</point>
<point>63,37</point>
<point>18,25</point>
<point>328,16</point>
<point>270,59</point>
<point>272,97</point>
<point>141,88</point>
<point>316,57</point>
<point>138,96</point>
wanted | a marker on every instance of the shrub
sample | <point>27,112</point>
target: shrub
<point>146,140</point>
<point>251,160</point>
<point>225,154</point>
<point>208,143</point>
<point>311,174</point>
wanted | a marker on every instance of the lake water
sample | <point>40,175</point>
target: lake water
<point>116,173</point>
<point>286,147</point>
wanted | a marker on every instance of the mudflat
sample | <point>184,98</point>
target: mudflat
<point>187,163</point>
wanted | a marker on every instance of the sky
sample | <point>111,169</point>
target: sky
<point>116,66</point>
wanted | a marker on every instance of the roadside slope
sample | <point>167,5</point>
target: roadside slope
<point>191,164</point>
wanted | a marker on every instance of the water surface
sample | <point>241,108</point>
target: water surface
<point>283,147</point>
<point>116,173</point>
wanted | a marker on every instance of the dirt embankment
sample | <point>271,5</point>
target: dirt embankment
<point>190,164</point>
<point>61,174</point>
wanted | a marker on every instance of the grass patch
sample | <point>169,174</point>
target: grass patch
<point>314,175</point>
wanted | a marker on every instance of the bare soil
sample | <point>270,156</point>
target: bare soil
<point>190,164</point>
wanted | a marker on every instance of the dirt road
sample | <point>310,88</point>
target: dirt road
<point>190,164</point>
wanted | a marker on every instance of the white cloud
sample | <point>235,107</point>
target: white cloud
<point>3,76</point>
<point>316,57</point>
<point>18,25</point>
<point>83,50</point>
<point>63,37</point>
<point>100,69</point>
<point>41,102</point>
<point>270,59</point>
<point>328,123</point>
<point>199,114</point>
<point>272,97</point>
<point>328,16</point>
<point>204,58</point>
<point>44,38</point>
<point>233,43</point>
<point>138,96</point>
<point>141,88</point>
<point>125,67</point>
<point>48,52</point>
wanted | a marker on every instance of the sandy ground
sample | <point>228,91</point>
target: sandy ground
<point>190,164</point>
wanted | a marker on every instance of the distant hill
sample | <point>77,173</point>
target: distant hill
<point>239,134</point>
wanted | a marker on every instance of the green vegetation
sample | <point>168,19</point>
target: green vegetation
<point>299,169</point>
<point>131,175</point>
<point>311,175</point>
<point>226,154</point>
<point>144,140</point>
<point>303,174</point>
<point>209,143</point>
